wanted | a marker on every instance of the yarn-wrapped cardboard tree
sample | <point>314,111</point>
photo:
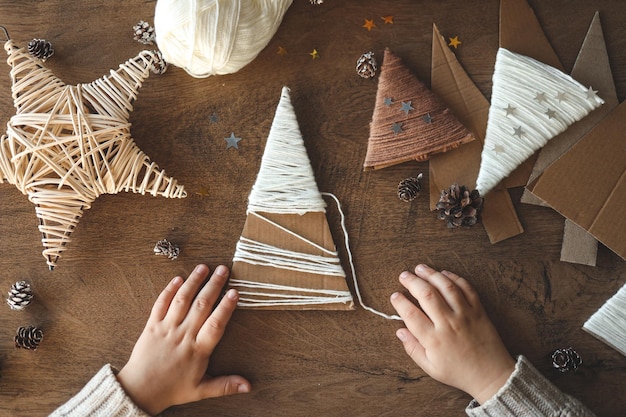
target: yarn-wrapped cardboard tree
<point>66,145</point>
<point>409,122</point>
<point>286,258</point>
<point>531,103</point>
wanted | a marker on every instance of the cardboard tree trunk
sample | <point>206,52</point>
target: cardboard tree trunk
<point>286,222</point>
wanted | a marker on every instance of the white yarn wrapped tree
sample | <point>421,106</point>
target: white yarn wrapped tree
<point>531,103</point>
<point>210,37</point>
<point>286,257</point>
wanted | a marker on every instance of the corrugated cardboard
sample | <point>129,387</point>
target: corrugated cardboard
<point>591,68</point>
<point>312,226</point>
<point>588,184</point>
<point>454,87</point>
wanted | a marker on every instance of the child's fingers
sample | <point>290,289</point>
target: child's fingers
<point>412,347</point>
<point>213,328</point>
<point>447,287</point>
<point>428,297</point>
<point>414,318</point>
<point>203,304</point>
<point>163,301</point>
<point>468,291</point>
<point>224,385</point>
<point>179,307</point>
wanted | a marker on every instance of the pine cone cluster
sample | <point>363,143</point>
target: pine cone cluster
<point>40,48</point>
<point>366,65</point>
<point>28,337</point>
<point>144,33</point>
<point>166,248</point>
<point>409,188</point>
<point>566,359</point>
<point>459,206</point>
<point>20,295</point>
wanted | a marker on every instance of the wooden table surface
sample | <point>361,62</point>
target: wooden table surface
<point>94,305</point>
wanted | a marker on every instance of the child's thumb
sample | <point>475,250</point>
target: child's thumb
<point>225,385</point>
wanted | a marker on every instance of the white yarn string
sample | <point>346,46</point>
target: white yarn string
<point>322,296</point>
<point>351,262</point>
<point>257,253</point>
<point>609,322</point>
<point>531,102</point>
<point>286,182</point>
<point>210,37</point>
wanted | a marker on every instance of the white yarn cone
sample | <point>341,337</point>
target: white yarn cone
<point>609,323</point>
<point>209,37</point>
<point>531,103</point>
<point>285,182</point>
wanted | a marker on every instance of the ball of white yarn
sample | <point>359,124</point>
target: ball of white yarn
<point>209,37</point>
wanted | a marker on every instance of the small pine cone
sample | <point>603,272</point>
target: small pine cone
<point>28,337</point>
<point>409,188</point>
<point>20,295</point>
<point>566,359</point>
<point>459,206</point>
<point>159,65</point>
<point>41,49</point>
<point>165,248</point>
<point>144,33</point>
<point>366,65</point>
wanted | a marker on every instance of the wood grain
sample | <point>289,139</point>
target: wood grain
<point>94,305</point>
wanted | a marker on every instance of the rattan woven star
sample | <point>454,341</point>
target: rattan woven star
<point>66,145</point>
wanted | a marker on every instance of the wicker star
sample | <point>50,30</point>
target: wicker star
<point>66,145</point>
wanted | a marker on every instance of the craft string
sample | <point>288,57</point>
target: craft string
<point>66,145</point>
<point>517,80</point>
<point>609,322</point>
<point>251,298</point>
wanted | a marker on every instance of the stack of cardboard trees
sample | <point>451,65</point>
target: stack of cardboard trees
<point>574,122</point>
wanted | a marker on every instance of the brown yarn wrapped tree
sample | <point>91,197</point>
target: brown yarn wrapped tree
<point>66,145</point>
<point>409,122</point>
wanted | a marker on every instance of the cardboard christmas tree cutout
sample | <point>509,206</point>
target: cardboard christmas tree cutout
<point>409,122</point>
<point>531,103</point>
<point>286,258</point>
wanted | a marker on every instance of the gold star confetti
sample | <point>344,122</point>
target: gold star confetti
<point>455,42</point>
<point>369,24</point>
<point>203,191</point>
<point>388,20</point>
<point>281,51</point>
<point>314,54</point>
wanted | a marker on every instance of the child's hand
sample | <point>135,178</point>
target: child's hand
<point>169,361</point>
<point>450,337</point>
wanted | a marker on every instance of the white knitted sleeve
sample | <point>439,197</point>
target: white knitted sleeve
<point>102,396</point>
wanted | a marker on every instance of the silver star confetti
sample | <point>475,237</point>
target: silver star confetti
<point>550,113</point>
<point>510,110</point>
<point>498,149</point>
<point>426,118</point>
<point>540,97</point>
<point>388,101</point>
<point>232,141</point>
<point>406,107</point>
<point>518,132</point>
<point>396,128</point>
<point>560,96</point>
<point>591,93</point>
<point>214,118</point>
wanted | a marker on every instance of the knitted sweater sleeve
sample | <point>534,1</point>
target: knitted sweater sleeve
<point>528,393</point>
<point>102,396</point>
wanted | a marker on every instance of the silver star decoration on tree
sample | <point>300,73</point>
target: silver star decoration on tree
<point>591,93</point>
<point>426,118</point>
<point>214,118</point>
<point>232,141</point>
<point>540,97</point>
<point>510,110</point>
<point>498,149</point>
<point>560,96</point>
<point>518,131</point>
<point>550,113</point>
<point>396,128</point>
<point>388,101</point>
<point>406,107</point>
